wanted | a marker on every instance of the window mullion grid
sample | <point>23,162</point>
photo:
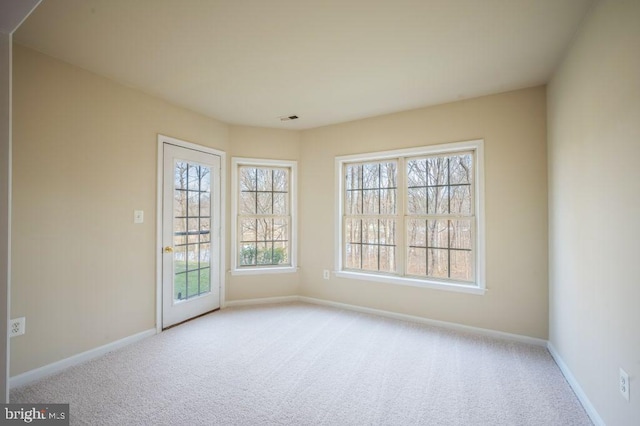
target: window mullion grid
<point>401,227</point>
<point>361,244</point>
<point>186,257</point>
<point>361,189</point>
<point>256,191</point>
<point>199,222</point>
<point>449,220</point>
<point>403,218</point>
<point>269,220</point>
<point>255,258</point>
<point>272,240</point>
<point>272,205</point>
<point>379,203</point>
<point>426,221</point>
<point>474,217</point>
<point>256,218</point>
<point>378,218</point>
<point>239,240</point>
<point>343,217</point>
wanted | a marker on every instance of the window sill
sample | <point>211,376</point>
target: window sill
<point>436,285</point>
<point>265,270</point>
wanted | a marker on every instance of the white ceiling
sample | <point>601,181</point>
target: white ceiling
<point>328,61</point>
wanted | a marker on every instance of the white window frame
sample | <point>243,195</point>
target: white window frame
<point>236,163</point>
<point>479,285</point>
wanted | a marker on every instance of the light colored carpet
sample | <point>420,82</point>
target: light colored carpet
<point>301,364</point>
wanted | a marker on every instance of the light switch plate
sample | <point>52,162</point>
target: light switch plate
<point>138,216</point>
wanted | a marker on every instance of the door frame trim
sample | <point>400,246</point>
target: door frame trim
<point>162,139</point>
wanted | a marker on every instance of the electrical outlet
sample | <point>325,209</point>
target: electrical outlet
<point>325,274</point>
<point>17,327</point>
<point>624,384</point>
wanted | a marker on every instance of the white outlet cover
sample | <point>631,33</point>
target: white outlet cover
<point>17,326</point>
<point>624,384</point>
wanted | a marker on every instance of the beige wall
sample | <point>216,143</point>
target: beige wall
<point>594,183</point>
<point>256,142</point>
<point>85,151</point>
<point>513,126</point>
<point>5,178</point>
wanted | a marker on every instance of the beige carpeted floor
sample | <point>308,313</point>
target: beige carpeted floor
<point>301,364</point>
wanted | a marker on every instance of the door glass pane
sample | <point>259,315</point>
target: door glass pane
<point>192,230</point>
<point>179,259</point>
<point>205,280</point>
<point>205,255</point>
<point>193,283</point>
<point>180,203</point>
<point>193,234</point>
<point>180,286</point>
<point>180,175</point>
<point>205,231</point>
<point>205,179</point>
<point>193,260</point>
<point>205,204</point>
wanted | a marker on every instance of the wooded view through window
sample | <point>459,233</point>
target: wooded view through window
<point>263,216</point>
<point>439,210</point>
<point>411,216</point>
<point>191,230</point>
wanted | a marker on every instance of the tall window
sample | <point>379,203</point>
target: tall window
<point>370,220</point>
<point>413,216</point>
<point>264,215</point>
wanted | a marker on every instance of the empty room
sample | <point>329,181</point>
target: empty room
<point>320,213</point>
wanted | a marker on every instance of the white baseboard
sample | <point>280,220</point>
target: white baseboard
<point>260,301</point>
<point>48,370</point>
<point>589,408</point>
<point>421,320</point>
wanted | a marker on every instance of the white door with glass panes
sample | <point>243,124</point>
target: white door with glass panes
<point>190,233</point>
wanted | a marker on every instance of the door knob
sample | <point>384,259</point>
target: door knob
<point>168,249</point>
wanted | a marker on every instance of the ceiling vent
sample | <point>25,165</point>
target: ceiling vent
<point>288,117</point>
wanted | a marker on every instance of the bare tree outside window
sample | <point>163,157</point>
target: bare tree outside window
<point>263,216</point>
<point>439,216</point>
<point>431,231</point>
<point>370,216</point>
<point>191,230</point>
